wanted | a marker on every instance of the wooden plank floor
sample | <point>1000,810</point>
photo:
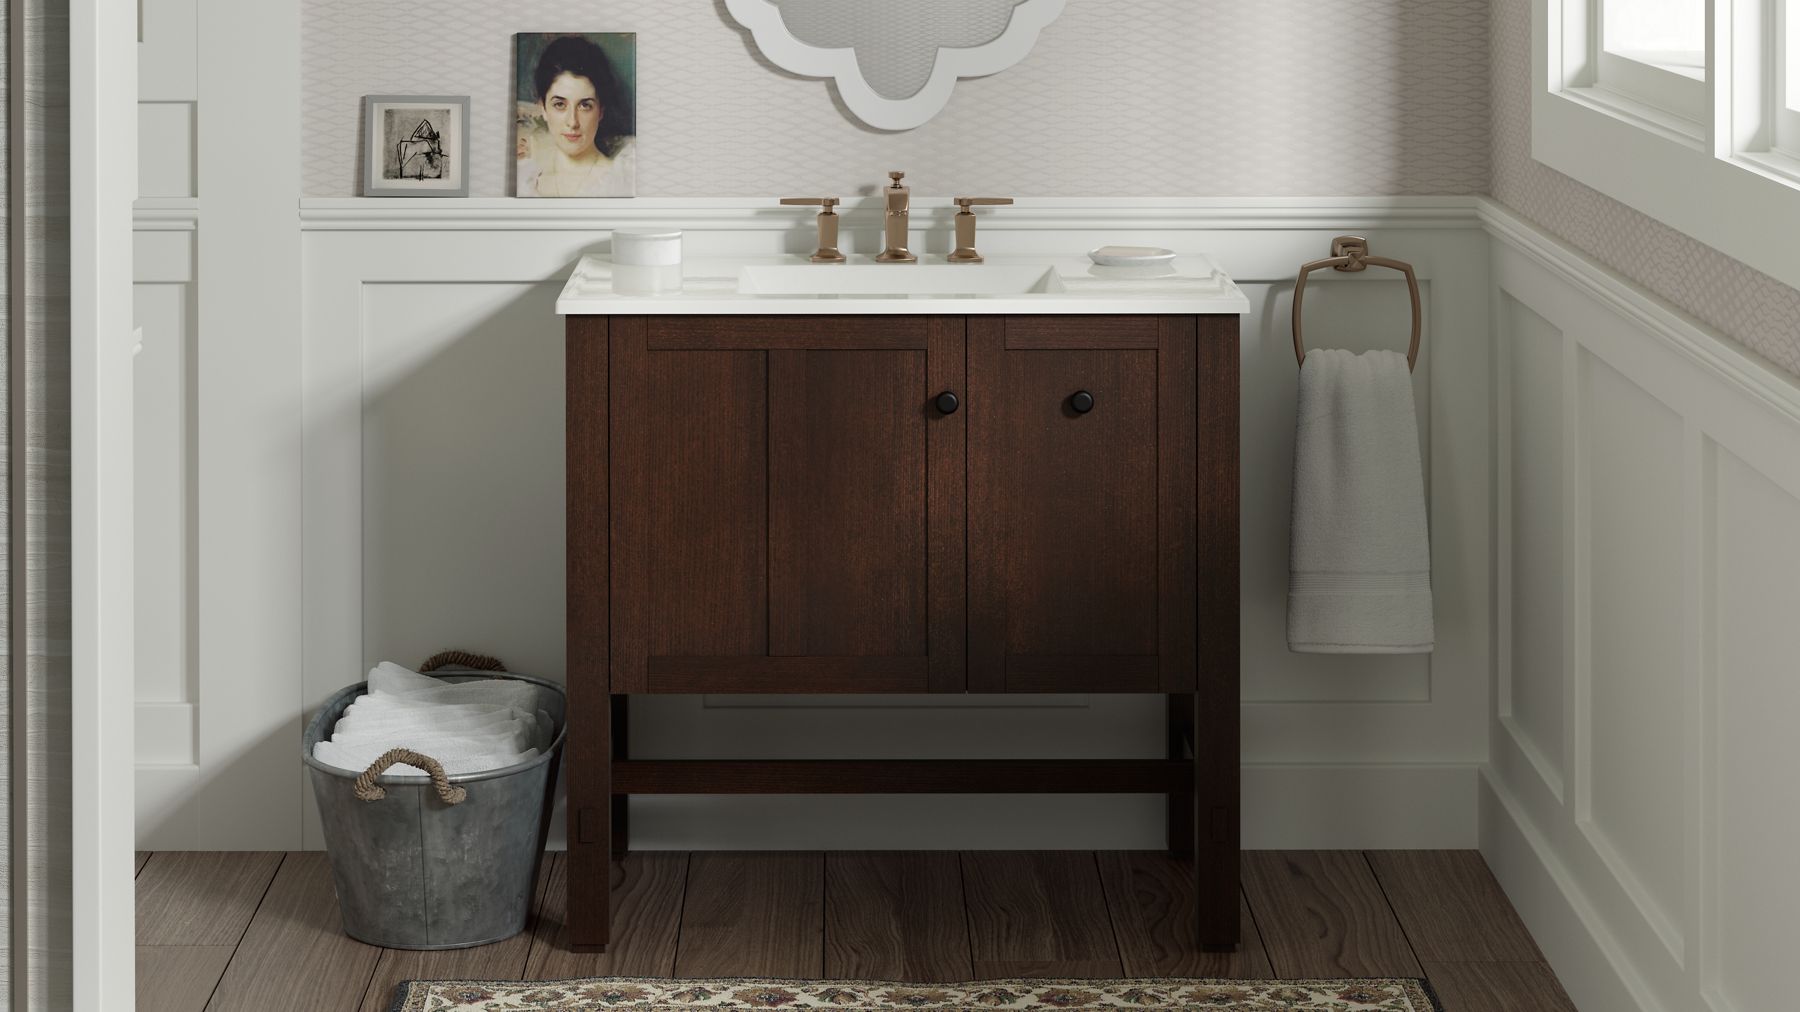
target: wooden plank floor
<point>260,932</point>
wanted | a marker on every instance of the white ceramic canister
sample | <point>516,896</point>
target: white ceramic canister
<point>646,261</point>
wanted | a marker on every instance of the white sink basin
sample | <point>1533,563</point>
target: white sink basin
<point>898,280</point>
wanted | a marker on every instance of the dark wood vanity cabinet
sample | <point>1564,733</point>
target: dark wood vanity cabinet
<point>898,504</point>
<point>788,504</point>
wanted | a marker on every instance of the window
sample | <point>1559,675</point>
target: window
<point>1786,92</point>
<point>1654,51</point>
<point>1686,110</point>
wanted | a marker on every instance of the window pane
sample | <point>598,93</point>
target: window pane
<point>1669,33</point>
<point>1790,53</point>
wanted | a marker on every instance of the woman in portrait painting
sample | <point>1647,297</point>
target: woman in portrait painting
<point>576,139</point>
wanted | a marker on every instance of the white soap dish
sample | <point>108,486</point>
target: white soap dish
<point>1130,256</point>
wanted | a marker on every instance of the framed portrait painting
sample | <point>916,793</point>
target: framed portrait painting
<point>416,146</point>
<point>576,114</point>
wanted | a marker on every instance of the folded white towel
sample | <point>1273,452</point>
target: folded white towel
<point>454,759</point>
<point>468,727</point>
<point>1359,569</point>
<point>369,711</point>
<point>515,733</point>
<point>388,678</point>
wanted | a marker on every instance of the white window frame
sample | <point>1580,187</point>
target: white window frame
<point>1721,177</point>
<point>1673,92</point>
<point>1784,96</point>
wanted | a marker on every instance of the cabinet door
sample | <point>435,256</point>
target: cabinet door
<point>787,505</point>
<point>1082,539</point>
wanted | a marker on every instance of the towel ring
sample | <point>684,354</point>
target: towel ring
<point>1351,253</point>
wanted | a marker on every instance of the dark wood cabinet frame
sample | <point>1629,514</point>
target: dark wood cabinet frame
<point>1189,394</point>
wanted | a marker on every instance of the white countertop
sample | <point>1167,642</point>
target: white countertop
<point>1191,284</point>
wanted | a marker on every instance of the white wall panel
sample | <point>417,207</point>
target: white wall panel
<point>1754,749</point>
<point>166,149</point>
<point>1532,671</point>
<point>462,458</point>
<point>163,436</point>
<point>1668,884</point>
<point>163,518</point>
<point>167,67</point>
<point>1630,747</point>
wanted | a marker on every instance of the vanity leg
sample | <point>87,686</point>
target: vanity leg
<point>621,749</point>
<point>587,743</point>
<point>1216,856</point>
<point>1181,803</point>
<point>1217,721</point>
<point>590,861</point>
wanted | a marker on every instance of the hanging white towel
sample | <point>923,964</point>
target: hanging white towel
<point>1359,570</point>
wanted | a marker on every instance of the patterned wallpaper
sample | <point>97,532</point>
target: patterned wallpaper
<point>1746,305</point>
<point>1119,98</point>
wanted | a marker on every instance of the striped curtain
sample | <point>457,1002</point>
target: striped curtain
<point>35,618</point>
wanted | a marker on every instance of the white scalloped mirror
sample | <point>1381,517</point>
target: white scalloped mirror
<point>895,61</point>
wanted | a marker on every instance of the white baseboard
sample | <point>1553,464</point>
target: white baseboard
<point>1346,806</point>
<point>167,800</point>
<point>1588,961</point>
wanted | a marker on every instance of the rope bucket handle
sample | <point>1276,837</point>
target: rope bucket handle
<point>366,789</point>
<point>461,659</point>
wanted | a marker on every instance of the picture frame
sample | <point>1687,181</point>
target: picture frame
<point>415,145</point>
<point>575,114</point>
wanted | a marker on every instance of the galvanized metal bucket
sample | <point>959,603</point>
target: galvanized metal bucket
<point>414,872</point>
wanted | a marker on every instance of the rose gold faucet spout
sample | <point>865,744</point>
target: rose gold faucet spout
<point>898,198</point>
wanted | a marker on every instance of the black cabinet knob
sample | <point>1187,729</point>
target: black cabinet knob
<point>947,403</point>
<point>1082,402</point>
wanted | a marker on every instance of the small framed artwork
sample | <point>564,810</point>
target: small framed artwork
<point>576,105</point>
<point>416,146</point>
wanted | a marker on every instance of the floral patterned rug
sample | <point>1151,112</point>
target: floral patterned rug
<point>644,994</point>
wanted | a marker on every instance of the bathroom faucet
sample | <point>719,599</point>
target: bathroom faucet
<point>965,228</point>
<point>828,252</point>
<point>898,199</point>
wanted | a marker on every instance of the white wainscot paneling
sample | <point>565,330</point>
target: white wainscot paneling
<point>1752,889</point>
<point>163,434</point>
<point>167,68</point>
<point>166,149</point>
<point>462,473</point>
<point>163,439</point>
<point>1533,683</point>
<point>1666,883</point>
<point>1630,735</point>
